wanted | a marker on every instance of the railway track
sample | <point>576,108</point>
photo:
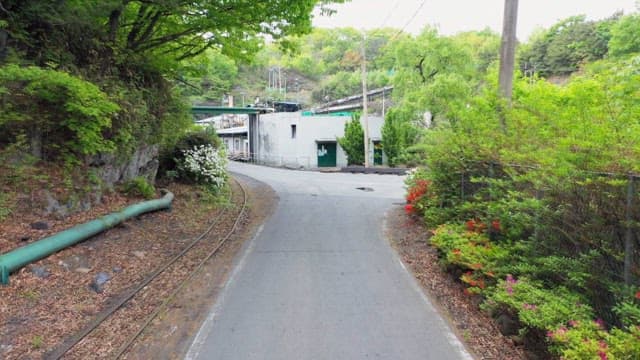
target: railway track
<point>154,293</point>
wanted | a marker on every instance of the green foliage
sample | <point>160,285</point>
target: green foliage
<point>208,77</point>
<point>174,155</point>
<point>71,112</point>
<point>37,341</point>
<point>139,186</point>
<point>624,36</point>
<point>353,141</point>
<point>204,165</point>
<point>543,200</point>
<point>568,44</point>
<point>6,205</point>
<point>588,340</point>
<point>397,135</point>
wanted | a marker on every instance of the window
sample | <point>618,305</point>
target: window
<point>293,131</point>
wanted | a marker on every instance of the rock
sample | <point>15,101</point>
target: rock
<point>507,324</point>
<point>40,271</point>
<point>82,270</point>
<point>143,162</point>
<point>5,348</point>
<point>54,207</point>
<point>98,281</point>
<point>25,238</point>
<point>75,262</point>
<point>117,269</point>
<point>138,254</point>
<point>40,225</point>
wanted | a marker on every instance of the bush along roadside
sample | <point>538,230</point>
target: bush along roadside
<point>501,237</point>
<point>197,158</point>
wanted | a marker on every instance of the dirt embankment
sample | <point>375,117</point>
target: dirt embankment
<point>52,299</point>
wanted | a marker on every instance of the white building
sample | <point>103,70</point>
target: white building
<point>309,141</point>
<point>236,141</point>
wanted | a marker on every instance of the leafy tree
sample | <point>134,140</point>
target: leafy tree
<point>397,135</point>
<point>208,77</point>
<point>567,45</point>
<point>624,36</point>
<point>71,113</point>
<point>353,141</point>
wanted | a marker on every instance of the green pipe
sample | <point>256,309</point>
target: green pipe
<point>16,259</point>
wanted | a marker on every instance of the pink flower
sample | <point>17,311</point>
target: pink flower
<point>573,323</point>
<point>511,279</point>
<point>603,355</point>
<point>509,290</point>
<point>531,307</point>
<point>599,322</point>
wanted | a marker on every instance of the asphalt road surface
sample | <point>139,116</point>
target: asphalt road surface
<point>320,281</point>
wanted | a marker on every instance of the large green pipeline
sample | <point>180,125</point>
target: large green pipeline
<point>22,256</point>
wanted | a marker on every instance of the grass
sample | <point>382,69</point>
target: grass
<point>37,341</point>
<point>6,205</point>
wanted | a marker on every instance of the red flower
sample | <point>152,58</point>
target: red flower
<point>495,225</point>
<point>408,208</point>
<point>471,225</point>
<point>638,295</point>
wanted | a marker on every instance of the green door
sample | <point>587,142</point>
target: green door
<point>377,153</point>
<point>327,154</point>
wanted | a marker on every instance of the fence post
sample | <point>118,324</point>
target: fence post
<point>462,185</point>
<point>536,225</point>
<point>491,177</point>
<point>628,236</point>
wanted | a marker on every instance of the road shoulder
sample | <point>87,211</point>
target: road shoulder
<point>474,328</point>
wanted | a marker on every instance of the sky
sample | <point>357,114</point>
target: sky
<point>453,16</point>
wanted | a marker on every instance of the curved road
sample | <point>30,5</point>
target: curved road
<point>320,281</point>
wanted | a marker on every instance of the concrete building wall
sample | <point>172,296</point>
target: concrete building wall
<point>278,146</point>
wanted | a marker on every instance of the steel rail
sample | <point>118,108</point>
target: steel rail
<point>58,352</point>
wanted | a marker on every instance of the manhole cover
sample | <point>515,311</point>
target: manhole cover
<point>365,188</point>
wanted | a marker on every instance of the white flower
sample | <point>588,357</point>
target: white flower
<point>205,164</point>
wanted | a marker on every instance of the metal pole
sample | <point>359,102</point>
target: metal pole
<point>508,48</point>
<point>628,236</point>
<point>383,91</point>
<point>365,120</point>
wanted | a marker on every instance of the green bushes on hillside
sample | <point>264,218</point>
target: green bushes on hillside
<point>540,217</point>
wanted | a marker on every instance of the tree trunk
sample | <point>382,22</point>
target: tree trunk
<point>4,37</point>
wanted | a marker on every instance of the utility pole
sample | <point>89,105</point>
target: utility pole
<point>364,100</point>
<point>508,48</point>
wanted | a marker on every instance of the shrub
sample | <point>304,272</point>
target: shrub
<point>139,186</point>
<point>73,113</point>
<point>472,252</point>
<point>203,164</point>
<point>353,141</point>
<point>172,156</point>
<point>537,307</point>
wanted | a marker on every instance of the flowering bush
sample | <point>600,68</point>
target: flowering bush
<point>590,340</point>
<point>537,307</point>
<point>472,252</point>
<point>203,164</point>
<point>417,188</point>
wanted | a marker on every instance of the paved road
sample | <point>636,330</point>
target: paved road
<point>320,281</point>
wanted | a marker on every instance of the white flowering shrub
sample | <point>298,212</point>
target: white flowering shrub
<point>204,164</point>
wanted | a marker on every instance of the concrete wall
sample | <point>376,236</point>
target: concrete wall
<point>277,147</point>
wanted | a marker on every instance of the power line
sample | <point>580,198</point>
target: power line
<point>395,7</point>
<point>410,19</point>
